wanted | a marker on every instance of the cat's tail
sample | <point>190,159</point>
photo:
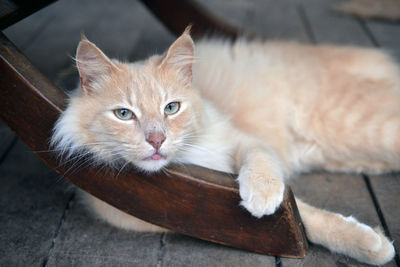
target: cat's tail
<point>345,235</point>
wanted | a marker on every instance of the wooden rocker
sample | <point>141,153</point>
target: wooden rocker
<point>194,201</point>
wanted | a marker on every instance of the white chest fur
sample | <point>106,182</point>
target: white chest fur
<point>216,144</point>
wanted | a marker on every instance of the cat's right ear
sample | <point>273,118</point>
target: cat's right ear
<point>92,65</point>
<point>180,56</point>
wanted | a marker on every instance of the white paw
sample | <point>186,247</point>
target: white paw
<point>375,248</point>
<point>260,197</point>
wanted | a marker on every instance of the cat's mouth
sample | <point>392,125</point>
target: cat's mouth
<point>155,156</point>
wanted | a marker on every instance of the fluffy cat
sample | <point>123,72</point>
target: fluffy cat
<point>262,110</point>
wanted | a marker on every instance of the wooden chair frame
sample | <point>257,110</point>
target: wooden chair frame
<point>191,200</point>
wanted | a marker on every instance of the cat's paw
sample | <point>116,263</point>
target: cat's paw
<point>260,195</point>
<point>374,247</point>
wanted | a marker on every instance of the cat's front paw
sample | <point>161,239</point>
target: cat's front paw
<point>261,195</point>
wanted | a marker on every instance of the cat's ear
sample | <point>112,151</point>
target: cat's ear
<point>92,64</point>
<point>180,56</point>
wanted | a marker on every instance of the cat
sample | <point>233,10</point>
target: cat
<point>262,110</point>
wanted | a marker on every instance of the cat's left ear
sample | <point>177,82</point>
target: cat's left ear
<point>180,56</point>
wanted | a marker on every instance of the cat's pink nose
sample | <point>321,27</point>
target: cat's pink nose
<point>156,139</point>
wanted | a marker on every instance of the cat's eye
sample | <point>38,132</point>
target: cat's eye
<point>172,108</point>
<point>124,114</point>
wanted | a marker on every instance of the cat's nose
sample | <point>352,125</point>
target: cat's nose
<point>156,139</point>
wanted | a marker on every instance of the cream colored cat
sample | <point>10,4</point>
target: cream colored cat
<point>261,110</point>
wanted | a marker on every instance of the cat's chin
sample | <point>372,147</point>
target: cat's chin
<point>150,165</point>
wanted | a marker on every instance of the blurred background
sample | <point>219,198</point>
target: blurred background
<point>41,221</point>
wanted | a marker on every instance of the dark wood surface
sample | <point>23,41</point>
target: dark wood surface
<point>12,11</point>
<point>179,201</point>
<point>43,221</point>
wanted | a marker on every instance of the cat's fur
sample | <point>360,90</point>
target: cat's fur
<point>262,110</point>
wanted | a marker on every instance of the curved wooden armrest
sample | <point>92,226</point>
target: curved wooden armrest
<point>12,11</point>
<point>190,200</point>
<point>178,14</point>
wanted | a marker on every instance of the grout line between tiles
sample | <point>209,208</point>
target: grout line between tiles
<point>60,224</point>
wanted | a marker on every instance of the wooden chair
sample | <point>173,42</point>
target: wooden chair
<point>191,200</point>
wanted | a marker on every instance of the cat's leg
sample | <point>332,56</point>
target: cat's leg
<point>260,179</point>
<point>345,235</point>
<point>116,217</point>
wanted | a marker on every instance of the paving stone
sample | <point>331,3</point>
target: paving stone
<point>54,46</point>
<point>181,250</point>
<point>269,18</point>
<point>343,193</point>
<point>84,240</point>
<point>32,201</point>
<point>329,26</point>
<point>387,189</point>
<point>387,35</point>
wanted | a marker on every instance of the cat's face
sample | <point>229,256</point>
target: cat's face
<point>141,113</point>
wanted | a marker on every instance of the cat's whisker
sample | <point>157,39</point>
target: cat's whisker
<point>185,145</point>
<point>102,168</point>
<point>122,169</point>
<point>130,146</point>
<point>66,159</point>
<point>76,166</point>
<point>77,158</point>
<point>193,135</point>
<point>68,151</point>
<point>183,165</point>
<point>80,163</point>
<point>187,139</point>
<point>165,171</point>
<point>48,150</point>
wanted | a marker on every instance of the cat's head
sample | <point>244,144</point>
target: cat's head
<point>143,113</point>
